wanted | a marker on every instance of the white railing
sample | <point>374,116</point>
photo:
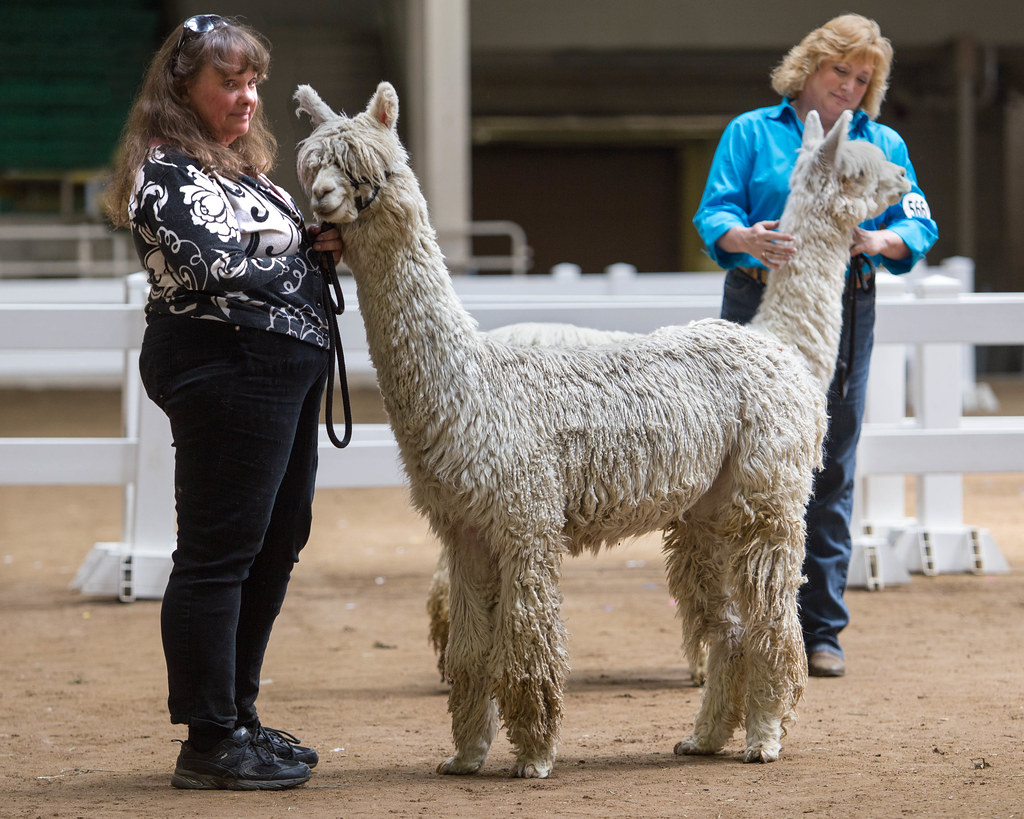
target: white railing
<point>937,445</point>
<point>517,261</point>
<point>116,257</point>
<point>934,331</point>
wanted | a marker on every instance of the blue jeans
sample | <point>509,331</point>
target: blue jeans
<point>823,612</point>
<point>244,407</point>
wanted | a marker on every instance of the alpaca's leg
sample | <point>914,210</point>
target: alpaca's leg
<point>698,659</point>
<point>773,647</point>
<point>694,580</point>
<point>697,551</point>
<point>721,701</point>
<point>530,660</point>
<point>473,590</point>
<point>437,611</point>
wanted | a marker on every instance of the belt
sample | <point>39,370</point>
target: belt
<point>759,274</point>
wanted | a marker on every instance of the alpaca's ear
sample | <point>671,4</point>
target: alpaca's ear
<point>835,138</point>
<point>383,106</point>
<point>813,132</point>
<point>311,104</point>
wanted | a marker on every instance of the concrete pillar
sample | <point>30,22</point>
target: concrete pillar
<point>967,72</point>
<point>1013,180</point>
<point>439,128</point>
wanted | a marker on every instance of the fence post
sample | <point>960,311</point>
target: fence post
<point>940,542</point>
<point>977,395</point>
<point>150,525</point>
<point>879,501</point>
<point>566,271</point>
<point>938,402</point>
<point>139,564</point>
<point>619,278</point>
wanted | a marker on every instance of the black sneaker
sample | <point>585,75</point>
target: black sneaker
<point>237,763</point>
<point>285,746</point>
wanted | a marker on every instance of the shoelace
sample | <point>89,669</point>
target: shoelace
<point>272,736</point>
<point>265,755</point>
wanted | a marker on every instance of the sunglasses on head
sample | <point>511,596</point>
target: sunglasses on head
<point>194,27</point>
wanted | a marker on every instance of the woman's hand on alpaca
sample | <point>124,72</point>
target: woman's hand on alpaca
<point>878,243</point>
<point>762,240</point>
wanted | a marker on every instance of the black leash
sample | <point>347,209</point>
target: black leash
<point>862,277</point>
<point>336,302</point>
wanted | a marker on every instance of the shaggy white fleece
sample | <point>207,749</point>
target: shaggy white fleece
<point>544,334</point>
<point>519,455</point>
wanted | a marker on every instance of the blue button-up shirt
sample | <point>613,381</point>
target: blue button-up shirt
<point>749,182</point>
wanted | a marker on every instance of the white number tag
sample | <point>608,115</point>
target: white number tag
<point>915,205</point>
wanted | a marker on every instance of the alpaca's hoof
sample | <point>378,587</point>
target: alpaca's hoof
<point>762,752</point>
<point>691,747</point>
<point>532,770</point>
<point>458,767</point>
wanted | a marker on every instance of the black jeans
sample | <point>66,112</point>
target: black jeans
<point>244,407</point>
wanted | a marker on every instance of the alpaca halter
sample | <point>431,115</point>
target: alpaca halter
<point>361,203</point>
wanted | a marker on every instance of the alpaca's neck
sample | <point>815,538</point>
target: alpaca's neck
<point>802,304</point>
<point>422,341</point>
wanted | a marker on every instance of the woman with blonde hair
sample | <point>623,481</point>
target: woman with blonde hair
<point>236,353</point>
<point>843,65</point>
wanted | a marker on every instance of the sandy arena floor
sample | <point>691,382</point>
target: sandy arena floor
<point>929,721</point>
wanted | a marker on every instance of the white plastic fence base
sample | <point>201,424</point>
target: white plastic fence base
<point>114,570</point>
<point>887,554</point>
<point>875,564</point>
<point>930,550</point>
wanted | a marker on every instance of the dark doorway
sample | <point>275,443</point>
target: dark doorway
<point>592,206</point>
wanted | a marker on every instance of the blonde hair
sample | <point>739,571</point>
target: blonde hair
<point>161,112</point>
<point>847,38</point>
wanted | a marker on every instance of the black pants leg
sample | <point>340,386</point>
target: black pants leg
<point>244,408</point>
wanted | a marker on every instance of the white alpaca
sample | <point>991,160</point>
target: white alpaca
<point>519,455</point>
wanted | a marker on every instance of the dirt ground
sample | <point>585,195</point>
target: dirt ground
<point>928,722</point>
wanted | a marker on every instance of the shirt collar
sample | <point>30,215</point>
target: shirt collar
<point>785,112</point>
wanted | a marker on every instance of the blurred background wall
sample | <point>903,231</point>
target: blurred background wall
<point>590,123</point>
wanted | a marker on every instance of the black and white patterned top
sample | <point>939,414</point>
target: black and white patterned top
<point>230,251</point>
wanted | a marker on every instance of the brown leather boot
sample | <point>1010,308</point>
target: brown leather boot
<point>825,664</point>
